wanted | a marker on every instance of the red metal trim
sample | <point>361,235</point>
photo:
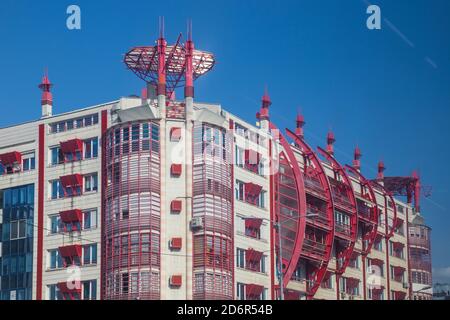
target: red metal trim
<point>387,194</point>
<point>104,128</point>
<point>231,127</point>
<point>339,169</point>
<point>410,290</point>
<point>301,225</point>
<point>312,156</point>
<point>371,235</point>
<point>40,211</point>
<point>272,219</point>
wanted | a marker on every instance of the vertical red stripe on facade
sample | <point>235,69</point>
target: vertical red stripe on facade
<point>104,127</point>
<point>40,212</point>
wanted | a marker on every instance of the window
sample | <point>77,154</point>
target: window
<point>18,229</point>
<point>56,190</point>
<point>253,232</point>
<point>89,290</point>
<point>90,182</point>
<point>240,258</point>
<point>378,244</point>
<point>90,254</point>
<point>56,156</point>
<point>240,153</point>
<point>91,148</point>
<point>90,219</point>
<point>54,293</point>
<point>240,291</point>
<point>55,259</point>
<point>354,262</point>
<point>74,123</point>
<point>28,162</point>
<point>327,282</point>
<point>55,224</point>
<point>239,190</point>
<point>261,201</point>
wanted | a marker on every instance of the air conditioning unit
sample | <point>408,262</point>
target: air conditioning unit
<point>405,285</point>
<point>196,223</point>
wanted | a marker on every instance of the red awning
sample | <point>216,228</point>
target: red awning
<point>75,215</point>
<point>352,282</point>
<point>253,290</point>
<point>398,270</point>
<point>291,295</point>
<point>253,223</point>
<point>71,287</point>
<point>399,295</point>
<point>252,157</point>
<point>378,289</point>
<point>71,146</point>
<point>397,245</point>
<point>73,180</point>
<point>253,255</point>
<point>70,251</point>
<point>11,158</point>
<point>377,262</point>
<point>252,189</point>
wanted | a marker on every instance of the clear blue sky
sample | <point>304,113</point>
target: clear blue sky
<point>386,90</point>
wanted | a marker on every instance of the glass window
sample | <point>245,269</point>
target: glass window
<point>91,148</point>
<point>90,290</point>
<point>90,254</point>
<point>91,182</point>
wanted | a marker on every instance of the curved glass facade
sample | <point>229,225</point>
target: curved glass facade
<point>212,203</point>
<point>131,237</point>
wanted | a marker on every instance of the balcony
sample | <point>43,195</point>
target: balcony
<point>70,290</point>
<point>314,249</point>
<point>72,219</point>
<point>314,187</point>
<point>72,184</point>
<point>10,162</point>
<point>71,254</point>
<point>72,150</point>
<point>253,291</point>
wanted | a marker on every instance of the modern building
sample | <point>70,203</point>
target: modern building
<point>156,198</point>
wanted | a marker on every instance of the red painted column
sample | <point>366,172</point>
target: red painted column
<point>104,127</point>
<point>40,211</point>
<point>388,276</point>
<point>363,258</point>
<point>272,217</point>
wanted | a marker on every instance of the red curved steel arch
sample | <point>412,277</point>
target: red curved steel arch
<point>291,265</point>
<point>372,219</point>
<point>389,195</point>
<point>346,253</point>
<point>319,172</point>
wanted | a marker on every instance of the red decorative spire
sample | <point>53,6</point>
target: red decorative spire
<point>264,112</point>
<point>189,70</point>
<point>300,122</point>
<point>356,158</point>
<point>330,141</point>
<point>381,169</point>
<point>45,86</point>
<point>162,44</point>
<point>417,190</point>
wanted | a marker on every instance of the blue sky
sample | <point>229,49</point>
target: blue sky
<point>386,90</point>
